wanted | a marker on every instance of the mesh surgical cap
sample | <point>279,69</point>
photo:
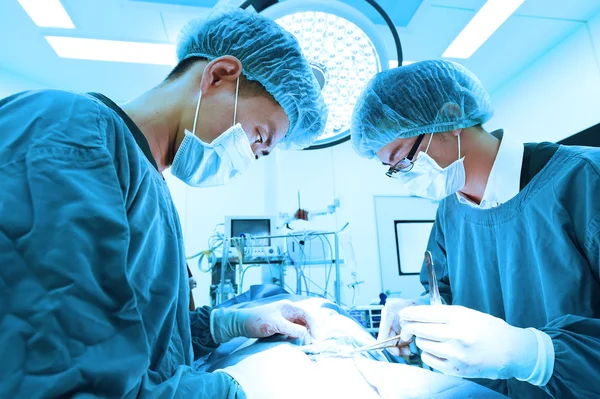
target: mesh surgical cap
<point>270,55</point>
<point>424,97</point>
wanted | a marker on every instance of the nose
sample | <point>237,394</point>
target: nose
<point>259,150</point>
<point>261,153</point>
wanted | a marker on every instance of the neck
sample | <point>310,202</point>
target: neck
<point>480,150</point>
<point>158,118</point>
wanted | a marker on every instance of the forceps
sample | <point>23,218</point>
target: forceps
<point>331,351</point>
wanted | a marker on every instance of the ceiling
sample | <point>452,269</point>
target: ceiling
<point>426,28</point>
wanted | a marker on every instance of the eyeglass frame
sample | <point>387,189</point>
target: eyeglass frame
<point>409,157</point>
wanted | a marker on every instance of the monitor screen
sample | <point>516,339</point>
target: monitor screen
<point>253,227</point>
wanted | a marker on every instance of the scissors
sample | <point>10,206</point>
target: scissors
<point>315,353</point>
<point>434,291</point>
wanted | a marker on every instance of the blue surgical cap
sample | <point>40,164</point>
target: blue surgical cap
<point>270,55</point>
<point>424,97</point>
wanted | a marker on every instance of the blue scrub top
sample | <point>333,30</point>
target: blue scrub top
<point>534,262</point>
<point>94,292</point>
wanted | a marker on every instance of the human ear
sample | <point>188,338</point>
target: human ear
<point>220,70</point>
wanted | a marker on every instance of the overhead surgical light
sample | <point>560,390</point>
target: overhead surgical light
<point>47,13</point>
<point>343,47</point>
<point>489,18</point>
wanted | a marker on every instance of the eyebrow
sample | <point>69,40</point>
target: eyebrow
<point>392,156</point>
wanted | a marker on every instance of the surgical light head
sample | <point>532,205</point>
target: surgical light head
<point>268,54</point>
<point>425,97</point>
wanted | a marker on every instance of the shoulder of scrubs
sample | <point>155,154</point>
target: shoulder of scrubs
<point>67,308</point>
<point>577,189</point>
<point>576,339</point>
<point>50,118</point>
<point>202,341</point>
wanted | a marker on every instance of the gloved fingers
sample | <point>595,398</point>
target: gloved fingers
<point>442,350</point>
<point>260,328</point>
<point>290,329</point>
<point>427,314</point>
<point>405,351</point>
<point>300,316</point>
<point>385,331</point>
<point>390,323</point>
<point>395,350</point>
<point>405,335</point>
<point>436,363</point>
<point>431,331</point>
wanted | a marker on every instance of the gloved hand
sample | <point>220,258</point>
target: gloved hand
<point>281,317</point>
<point>390,322</point>
<point>466,343</point>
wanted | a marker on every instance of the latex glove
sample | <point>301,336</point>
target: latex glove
<point>281,317</point>
<point>466,343</point>
<point>390,322</point>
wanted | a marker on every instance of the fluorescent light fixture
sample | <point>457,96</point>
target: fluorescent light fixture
<point>394,63</point>
<point>47,13</point>
<point>113,51</point>
<point>493,14</point>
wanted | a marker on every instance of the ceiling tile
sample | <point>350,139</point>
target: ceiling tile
<point>188,3</point>
<point>581,10</point>
<point>101,19</point>
<point>400,12</point>
<point>518,43</point>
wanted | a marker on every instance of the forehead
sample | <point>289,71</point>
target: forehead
<point>388,151</point>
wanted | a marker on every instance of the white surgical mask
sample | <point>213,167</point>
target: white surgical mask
<point>200,164</point>
<point>427,179</point>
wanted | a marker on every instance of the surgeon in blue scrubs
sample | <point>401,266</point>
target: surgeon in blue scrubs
<point>94,293</point>
<point>515,243</point>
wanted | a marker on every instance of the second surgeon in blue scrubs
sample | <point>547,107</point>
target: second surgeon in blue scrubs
<point>515,243</point>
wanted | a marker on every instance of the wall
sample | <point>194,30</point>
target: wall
<point>557,95</point>
<point>339,173</point>
<point>11,83</point>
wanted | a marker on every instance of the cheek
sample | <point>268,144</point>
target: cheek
<point>248,129</point>
<point>214,118</point>
<point>209,133</point>
<point>442,158</point>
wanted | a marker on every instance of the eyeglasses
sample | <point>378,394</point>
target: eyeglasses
<point>406,164</point>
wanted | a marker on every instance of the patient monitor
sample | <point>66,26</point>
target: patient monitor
<point>246,233</point>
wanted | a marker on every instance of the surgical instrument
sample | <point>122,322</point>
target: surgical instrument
<point>314,352</point>
<point>434,291</point>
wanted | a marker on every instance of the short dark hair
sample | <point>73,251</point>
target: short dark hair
<point>248,88</point>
